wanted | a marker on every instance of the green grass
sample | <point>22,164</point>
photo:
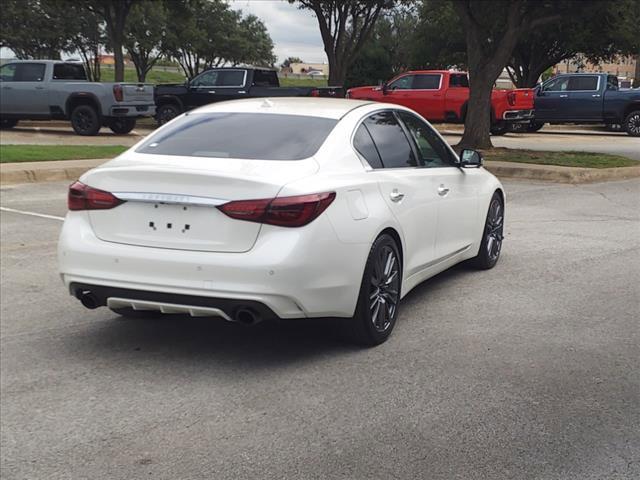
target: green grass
<point>564,159</point>
<point>154,76</point>
<point>40,153</point>
<point>302,82</point>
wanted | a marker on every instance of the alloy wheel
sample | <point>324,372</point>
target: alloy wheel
<point>634,124</point>
<point>494,229</point>
<point>384,290</point>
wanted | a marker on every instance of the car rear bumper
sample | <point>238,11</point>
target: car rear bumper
<point>518,115</point>
<point>289,273</point>
<point>132,111</point>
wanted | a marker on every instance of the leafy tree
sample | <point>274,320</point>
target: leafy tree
<point>114,13</point>
<point>597,30</point>
<point>345,26</point>
<point>287,63</point>
<point>86,36</point>
<point>29,29</point>
<point>145,35</point>
<point>492,30</point>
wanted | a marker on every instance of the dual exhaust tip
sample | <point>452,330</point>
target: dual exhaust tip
<point>243,315</point>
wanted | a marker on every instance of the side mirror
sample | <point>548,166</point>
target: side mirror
<point>385,88</point>
<point>540,91</point>
<point>470,158</point>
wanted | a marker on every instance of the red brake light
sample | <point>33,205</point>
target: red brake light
<point>511,98</point>
<point>283,211</point>
<point>315,92</point>
<point>83,197</point>
<point>117,93</point>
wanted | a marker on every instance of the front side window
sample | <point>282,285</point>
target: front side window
<point>29,72</point>
<point>206,79</point>
<point>388,136</point>
<point>68,71</point>
<point>432,150</point>
<point>230,78</point>
<point>581,83</point>
<point>363,143</point>
<point>612,82</point>
<point>7,72</point>
<point>426,82</point>
<point>403,83</point>
<point>250,136</point>
<point>559,84</point>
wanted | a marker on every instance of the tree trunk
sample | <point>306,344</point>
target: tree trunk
<point>118,58</point>
<point>477,122</point>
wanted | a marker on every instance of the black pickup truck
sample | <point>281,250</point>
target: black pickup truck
<point>219,84</point>
<point>584,98</point>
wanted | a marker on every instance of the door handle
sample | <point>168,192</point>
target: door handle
<point>211,91</point>
<point>39,88</point>
<point>596,95</point>
<point>396,196</point>
<point>564,96</point>
<point>442,190</point>
<point>6,88</point>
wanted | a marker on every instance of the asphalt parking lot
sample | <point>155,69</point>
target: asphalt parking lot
<point>528,371</point>
<point>550,138</point>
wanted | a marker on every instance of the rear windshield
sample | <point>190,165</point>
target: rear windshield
<point>252,136</point>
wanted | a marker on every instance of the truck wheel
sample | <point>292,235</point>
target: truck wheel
<point>167,112</point>
<point>632,123</point>
<point>85,121</point>
<point>122,125</point>
<point>7,123</point>
<point>534,126</point>
<point>500,128</point>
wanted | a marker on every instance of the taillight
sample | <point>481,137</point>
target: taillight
<point>511,98</point>
<point>83,197</point>
<point>118,93</point>
<point>315,92</point>
<point>282,211</point>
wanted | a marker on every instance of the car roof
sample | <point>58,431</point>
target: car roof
<point>335,108</point>
<point>16,60</point>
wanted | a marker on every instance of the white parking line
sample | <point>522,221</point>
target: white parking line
<point>33,214</point>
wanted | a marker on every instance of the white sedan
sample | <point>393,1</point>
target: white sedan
<point>280,208</point>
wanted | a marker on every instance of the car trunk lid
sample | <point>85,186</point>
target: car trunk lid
<point>170,201</point>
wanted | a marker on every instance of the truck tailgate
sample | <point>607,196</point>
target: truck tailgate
<point>523,99</point>
<point>137,93</point>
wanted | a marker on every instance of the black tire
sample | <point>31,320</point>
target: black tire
<point>122,125</point>
<point>7,123</point>
<point>167,112</point>
<point>499,128</point>
<point>131,313</point>
<point>85,120</point>
<point>379,297</point>
<point>492,235</point>
<point>533,127</point>
<point>631,124</point>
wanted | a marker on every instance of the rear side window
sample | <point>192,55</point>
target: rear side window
<point>252,136</point>
<point>459,80</point>
<point>265,78</point>
<point>29,72</point>
<point>393,146</point>
<point>586,82</point>
<point>230,78</point>
<point>426,82</point>
<point>68,71</point>
<point>363,143</point>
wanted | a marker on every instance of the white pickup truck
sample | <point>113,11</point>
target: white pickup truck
<point>56,90</point>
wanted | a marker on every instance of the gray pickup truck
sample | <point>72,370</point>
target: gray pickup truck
<point>56,90</point>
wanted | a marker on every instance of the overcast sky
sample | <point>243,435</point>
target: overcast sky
<point>294,32</point>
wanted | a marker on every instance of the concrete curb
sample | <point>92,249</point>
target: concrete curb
<point>31,172</point>
<point>553,173</point>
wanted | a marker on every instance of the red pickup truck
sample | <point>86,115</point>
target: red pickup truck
<point>442,95</point>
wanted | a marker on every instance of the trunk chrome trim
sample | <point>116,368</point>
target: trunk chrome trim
<point>177,199</point>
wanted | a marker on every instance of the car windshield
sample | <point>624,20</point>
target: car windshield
<point>252,136</point>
